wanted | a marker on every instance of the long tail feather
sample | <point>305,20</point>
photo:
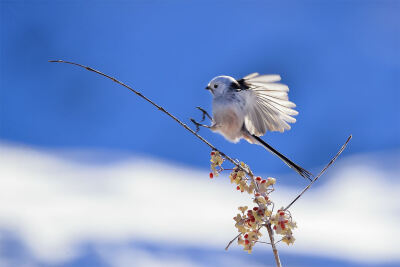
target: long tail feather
<point>303,172</point>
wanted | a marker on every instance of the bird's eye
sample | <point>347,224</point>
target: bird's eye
<point>215,86</point>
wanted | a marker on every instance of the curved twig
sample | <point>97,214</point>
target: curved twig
<point>233,240</point>
<point>157,106</point>
<point>321,172</point>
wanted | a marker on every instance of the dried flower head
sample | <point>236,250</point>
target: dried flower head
<point>216,162</point>
<point>250,222</point>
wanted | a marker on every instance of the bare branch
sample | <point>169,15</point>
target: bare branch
<point>157,106</point>
<point>264,242</point>
<point>233,240</point>
<point>322,172</point>
<point>274,249</point>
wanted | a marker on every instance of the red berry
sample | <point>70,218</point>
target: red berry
<point>246,242</point>
<point>285,221</point>
<point>253,219</point>
<point>258,178</point>
<point>257,194</point>
<point>266,198</point>
<point>274,227</point>
<point>281,213</point>
<point>246,236</point>
<point>263,181</point>
<point>238,187</point>
<point>212,153</point>
<point>211,175</point>
<point>255,208</point>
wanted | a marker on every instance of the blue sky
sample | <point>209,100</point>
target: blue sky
<point>341,60</point>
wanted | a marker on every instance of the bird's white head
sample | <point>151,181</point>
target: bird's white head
<point>221,84</point>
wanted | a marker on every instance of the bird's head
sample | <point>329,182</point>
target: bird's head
<point>221,84</point>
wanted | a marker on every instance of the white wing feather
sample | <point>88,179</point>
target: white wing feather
<point>270,78</point>
<point>251,75</point>
<point>268,108</point>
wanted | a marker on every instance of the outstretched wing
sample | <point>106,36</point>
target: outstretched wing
<point>268,105</point>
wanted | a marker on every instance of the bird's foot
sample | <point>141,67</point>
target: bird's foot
<point>205,113</point>
<point>198,125</point>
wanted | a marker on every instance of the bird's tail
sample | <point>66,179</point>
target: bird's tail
<point>303,172</point>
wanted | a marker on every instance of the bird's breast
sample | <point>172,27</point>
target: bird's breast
<point>228,119</point>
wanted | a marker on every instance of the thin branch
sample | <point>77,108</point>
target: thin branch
<point>322,172</point>
<point>233,240</point>
<point>263,242</point>
<point>157,106</point>
<point>274,250</point>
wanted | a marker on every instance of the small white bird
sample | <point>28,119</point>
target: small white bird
<point>249,107</point>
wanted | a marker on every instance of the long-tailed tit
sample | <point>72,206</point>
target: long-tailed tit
<point>249,107</point>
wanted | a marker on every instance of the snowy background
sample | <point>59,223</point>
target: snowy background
<point>91,175</point>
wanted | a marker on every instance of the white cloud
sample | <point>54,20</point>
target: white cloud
<point>53,204</point>
<point>127,257</point>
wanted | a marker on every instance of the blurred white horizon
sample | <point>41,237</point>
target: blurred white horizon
<point>54,204</point>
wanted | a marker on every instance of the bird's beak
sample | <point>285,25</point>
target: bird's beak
<point>208,88</point>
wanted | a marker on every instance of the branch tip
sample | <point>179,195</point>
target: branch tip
<point>322,172</point>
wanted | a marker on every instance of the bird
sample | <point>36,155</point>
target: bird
<point>249,107</point>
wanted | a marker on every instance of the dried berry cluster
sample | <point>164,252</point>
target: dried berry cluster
<point>216,162</point>
<point>283,225</point>
<point>250,222</point>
